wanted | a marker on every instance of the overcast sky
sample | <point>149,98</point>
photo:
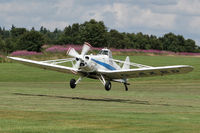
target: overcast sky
<point>155,17</point>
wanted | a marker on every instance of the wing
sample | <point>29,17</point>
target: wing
<point>146,72</point>
<point>44,65</point>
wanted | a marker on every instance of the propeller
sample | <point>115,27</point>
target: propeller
<point>72,52</point>
<point>85,49</point>
<point>79,57</point>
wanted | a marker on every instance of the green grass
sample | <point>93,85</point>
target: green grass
<point>40,101</point>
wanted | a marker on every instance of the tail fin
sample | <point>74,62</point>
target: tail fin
<point>126,63</point>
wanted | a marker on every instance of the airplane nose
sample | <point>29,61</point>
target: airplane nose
<point>82,64</point>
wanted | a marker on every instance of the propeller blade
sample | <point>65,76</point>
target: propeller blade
<point>72,52</point>
<point>77,65</point>
<point>85,49</point>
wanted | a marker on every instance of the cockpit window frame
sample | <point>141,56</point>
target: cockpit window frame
<point>105,52</point>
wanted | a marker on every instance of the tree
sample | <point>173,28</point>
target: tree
<point>31,41</point>
<point>75,34</point>
<point>4,33</point>
<point>56,35</point>
<point>94,32</point>
<point>190,45</point>
<point>16,32</point>
<point>68,35</point>
<point>2,45</point>
<point>170,42</point>
<point>177,43</point>
<point>10,45</point>
<point>72,34</point>
<point>1,31</point>
<point>116,39</point>
<point>142,41</point>
<point>155,43</point>
<point>32,29</point>
<point>43,30</point>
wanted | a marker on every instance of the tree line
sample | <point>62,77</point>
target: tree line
<point>94,32</point>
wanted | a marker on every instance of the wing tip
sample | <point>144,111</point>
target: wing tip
<point>10,57</point>
<point>190,68</point>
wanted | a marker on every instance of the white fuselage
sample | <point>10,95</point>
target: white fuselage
<point>98,62</point>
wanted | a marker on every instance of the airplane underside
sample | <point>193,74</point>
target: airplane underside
<point>104,80</point>
<point>107,84</point>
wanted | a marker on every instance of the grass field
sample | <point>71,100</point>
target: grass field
<point>40,101</point>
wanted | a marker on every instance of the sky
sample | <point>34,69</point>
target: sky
<point>156,17</point>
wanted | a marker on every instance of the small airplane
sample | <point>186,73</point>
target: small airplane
<point>103,67</point>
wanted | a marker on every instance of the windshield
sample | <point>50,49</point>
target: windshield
<point>103,52</point>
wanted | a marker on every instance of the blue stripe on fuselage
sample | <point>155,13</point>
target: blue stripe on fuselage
<point>104,64</point>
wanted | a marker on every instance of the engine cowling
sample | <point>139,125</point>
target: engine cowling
<point>87,65</point>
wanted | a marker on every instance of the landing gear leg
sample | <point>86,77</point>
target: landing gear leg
<point>107,84</point>
<point>126,87</point>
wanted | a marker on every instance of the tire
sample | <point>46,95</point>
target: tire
<point>72,83</point>
<point>108,86</point>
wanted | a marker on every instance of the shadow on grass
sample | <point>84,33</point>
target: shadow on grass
<point>101,99</point>
<point>89,99</point>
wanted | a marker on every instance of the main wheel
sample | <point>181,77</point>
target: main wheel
<point>108,85</point>
<point>72,83</point>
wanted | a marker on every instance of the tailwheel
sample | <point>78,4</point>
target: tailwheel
<point>125,85</point>
<point>72,83</point>
<point>108,85</point>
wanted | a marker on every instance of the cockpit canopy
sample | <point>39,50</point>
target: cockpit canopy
<point>105,51</point>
